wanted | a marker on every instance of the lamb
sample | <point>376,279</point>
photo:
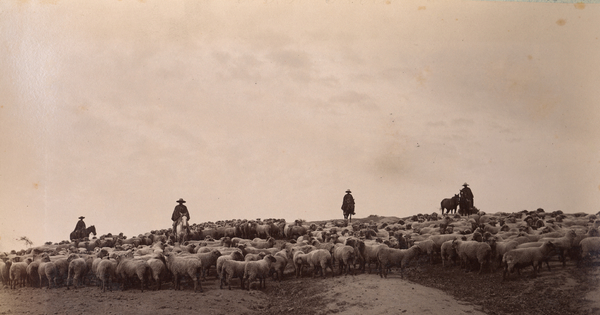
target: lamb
<point>344,256</point>
<point>158,268</point>
<point>319,260</point>
<point>180,266</point>
<point>77,269</point>
<point>128,267</point>
<point>208,259</point>
<point>18,273</point>
<point>236,255</point>
<point>254,257</point>
<point>105,271</point>
<point>501,248</point>
<point>468,250</point>
<point>232,269</point>
<point>258,269</point>
<point>388,257</point>
<point>519,257</point>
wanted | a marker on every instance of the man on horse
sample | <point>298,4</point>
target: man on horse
<point>466,199</point>
<point>348,204</point>
<point>180,210</point>
<point>80,226</point>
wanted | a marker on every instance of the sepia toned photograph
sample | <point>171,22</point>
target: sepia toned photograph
<point>299,157</point>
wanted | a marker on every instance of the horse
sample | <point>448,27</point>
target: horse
<point>83,233</point>
<point>449,204</point>
<point>466,207</point>
<point>181,231</point>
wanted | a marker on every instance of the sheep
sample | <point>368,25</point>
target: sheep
<point>319,260</point>
<point>427,246</point>
<point>519,257</point>
<point>32,269</point>
<point>467,250</point>
<point>500,249</point>
<point>48,270</point>
<point>77,269</point>
<point>300,259</point>
<point>258,269</point>
<point>262,244</point>
<point>128,267</point>
<point>237,255</point>
<point>448,252</point>
<point>180,266</point>
<point>105,271</point>
<point>208,259</point>
<point>232,269</point>
<point>589,247</point>
<point>158,268</point>
<point>388,257</point>
<point>279,266</point>
<point>344,256</point>
<point>18,273</point>
<point>4,271</point>
<point>562,245</point>
<point>370,255</point>
<point>254,257</point>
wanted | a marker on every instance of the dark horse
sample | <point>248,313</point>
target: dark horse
<point>83,233</point>
<point>466,207</point>
<point>449,204</point>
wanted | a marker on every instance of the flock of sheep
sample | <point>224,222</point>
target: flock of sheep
<point>251,250</point>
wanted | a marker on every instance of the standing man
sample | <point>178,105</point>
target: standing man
<point>348,204</point>
<point>180,210</point>
<point>466,199</point>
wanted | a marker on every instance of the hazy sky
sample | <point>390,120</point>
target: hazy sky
<point>113,110</point>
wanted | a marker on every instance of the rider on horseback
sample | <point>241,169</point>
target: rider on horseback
<point>80,226</point>
<point>180,210</point>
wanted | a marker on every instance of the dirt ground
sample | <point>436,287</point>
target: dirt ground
<point>425,289</point>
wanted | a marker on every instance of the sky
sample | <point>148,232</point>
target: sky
<point>113,110</point>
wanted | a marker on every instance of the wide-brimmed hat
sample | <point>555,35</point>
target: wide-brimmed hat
<point>465,184</point>
<point>81,218</point>
<point>181,200</point>
<point>348,191</point>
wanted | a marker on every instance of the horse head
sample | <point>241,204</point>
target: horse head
<point>91,229</point>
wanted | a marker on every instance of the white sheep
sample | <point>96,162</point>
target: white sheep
<point>471,250</point>
<point>258,269</point>
<point>520,257</point>
<point>208,259</point>
<point>300,259</point>
<point>128,267</point>
<point>236,255</point>
<point>319,260</point>
<point>500,248</point>
<point>4,271</point>
<point>370,255</point>
<point>105,272</point>
<point>344,256</point>
<point>562,245</point>
<point>427,246</point>
<point>18,273</point>
<point>77,270</point>
<point>590,246</point>
<point>448,252</point>
<point>180,266</point>
<point>388,257</point>
<point>279,266</point>
<point>49,271</point>
<point>232,269</point>
<point>158,268</point>
<point>263,244</point>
